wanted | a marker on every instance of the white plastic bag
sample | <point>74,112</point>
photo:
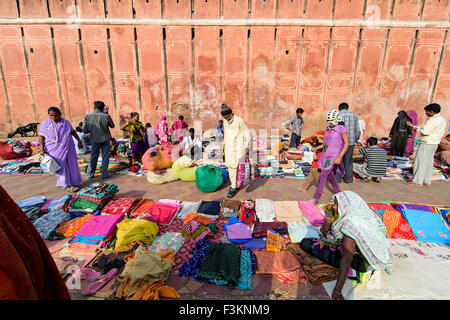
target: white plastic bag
<point>49,165</point>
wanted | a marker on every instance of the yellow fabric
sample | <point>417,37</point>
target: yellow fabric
<point>182,169</point>
<point>131,230</point>
<point>142,271</point>
<point>236,139</point>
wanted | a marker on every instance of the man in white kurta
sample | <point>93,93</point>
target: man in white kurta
<point>236,143</point>
<point>431,135</point>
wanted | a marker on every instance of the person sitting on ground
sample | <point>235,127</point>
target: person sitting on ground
<point>152,137</point>
<point>283,146</point>
<point>356,224</point>
<point>443,151</point>
<point>376,158</point>
<point>114,148</point>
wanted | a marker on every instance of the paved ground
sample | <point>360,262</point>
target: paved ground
<point>22,187</point>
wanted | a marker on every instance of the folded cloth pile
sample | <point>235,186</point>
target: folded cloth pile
<point>120,206</point>
<point>260,228</point>
<point>286,211</point>
<point>70,227</point>
<point>142,209</point>
<point>48,222</point>
<point>230,208</point>
<point>164,212</point>
<point>56,203</point>
<point>209,208</point>
<point>197,226</point>
<point>97,229</point>
<point>132,231</point>
<point>247,213</point>
<point>187,207</point>
<point>98,193</point>
<point>265,210</point>
<point>315,216</point>
<point>32,207</point>
<point>167,241</point>
<point>237,231</point>
<point>144,275</point>
<point>93,197</point>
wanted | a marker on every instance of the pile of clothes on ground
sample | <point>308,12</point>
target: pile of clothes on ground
<point>137,243</point>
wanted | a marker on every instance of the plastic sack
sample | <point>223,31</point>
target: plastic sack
<point>243,172</point>
<point>165,177</point>
<point>182,169</point>
<point>208,178</point>
<point>49,165</point>
<point>158,158</point>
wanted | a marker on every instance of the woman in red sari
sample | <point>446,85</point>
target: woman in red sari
<point>27,269</point>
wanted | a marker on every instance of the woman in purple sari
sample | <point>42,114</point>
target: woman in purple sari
<point>335,144</point>
<point>410,144</point>
<point>55,137</point>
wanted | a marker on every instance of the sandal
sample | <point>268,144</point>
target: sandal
<point>72,189</point>
<point>100,283</point>
<point>88,274</point>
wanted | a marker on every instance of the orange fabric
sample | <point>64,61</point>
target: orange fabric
<point>193,216</point>
<point>143,207</point>
<point>162,159</point>
<point>396,226</point>
<point>168,255</point>
<point>283,265</point>
<point>153,292</point>
<point>69,229</point>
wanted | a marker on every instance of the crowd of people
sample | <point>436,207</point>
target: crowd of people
<point>333,158</point>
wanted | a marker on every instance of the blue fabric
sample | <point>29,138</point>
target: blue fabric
<point>47,223</point>
<point>444,213</point>
<point>427,226</point>
<point>31,202</point>
<point>224,173</point>
<point>192,267</point>
<point>255,243</point>
<point>245,279</point>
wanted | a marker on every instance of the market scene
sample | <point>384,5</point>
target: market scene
<point>110,191</point>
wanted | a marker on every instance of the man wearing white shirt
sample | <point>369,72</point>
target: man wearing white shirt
<point>431,134</point>
<point>192,146</point>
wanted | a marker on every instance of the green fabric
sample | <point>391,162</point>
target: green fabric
<point>196,233</point>
<point>213,227</point>
<point>56,236</point>
<point>222,263</point>
<point>83,204</point>
<point>208,178</point>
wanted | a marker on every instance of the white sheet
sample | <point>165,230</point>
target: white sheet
<point>421,272</point>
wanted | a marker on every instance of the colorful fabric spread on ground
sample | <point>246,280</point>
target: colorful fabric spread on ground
<point>196,239</point>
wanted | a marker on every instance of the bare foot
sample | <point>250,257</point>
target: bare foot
<point>414,184</point>
<point>302,190</point>
<point>426,185</point>
<point>313,201</point>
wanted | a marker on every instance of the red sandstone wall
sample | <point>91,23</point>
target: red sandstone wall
<point>264,74</point>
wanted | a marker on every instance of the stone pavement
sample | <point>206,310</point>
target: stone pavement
<point>266,287</point>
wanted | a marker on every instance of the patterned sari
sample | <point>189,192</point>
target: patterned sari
<point>357,221</point>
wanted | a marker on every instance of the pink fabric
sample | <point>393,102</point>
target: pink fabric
<point>120,206</point>
<point>162,130</point>
<point>99,226</point>
<point>410,145</point>
<point>312,212</point>
<point>164,212</point>
<point>239,231</point>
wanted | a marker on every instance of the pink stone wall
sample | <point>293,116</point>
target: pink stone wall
<point>263,72</point>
